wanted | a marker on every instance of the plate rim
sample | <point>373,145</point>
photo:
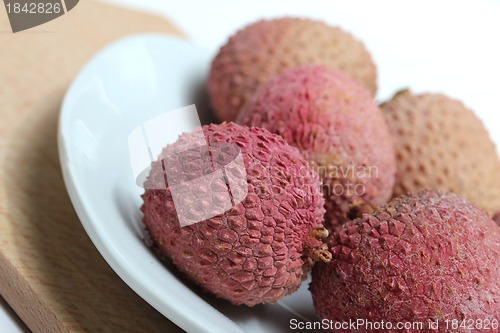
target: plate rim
<point>105,249</point>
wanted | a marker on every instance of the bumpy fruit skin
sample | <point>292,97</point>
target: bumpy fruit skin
<point>336,125</point>
<point>252,253</point>
<point>424,257</point>
<point>441,144</point>
<point>263,49</point>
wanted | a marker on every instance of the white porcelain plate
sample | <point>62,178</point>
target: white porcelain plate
<point>122,87</point>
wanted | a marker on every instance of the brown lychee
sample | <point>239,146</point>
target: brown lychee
<point>263,49</point>
<point>441,144</point>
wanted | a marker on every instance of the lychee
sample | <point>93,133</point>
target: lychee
<point>441,144</point>
<point>426,257</point>
<point>263,49</point>
<point>337,126</point>
<point>241,216</point>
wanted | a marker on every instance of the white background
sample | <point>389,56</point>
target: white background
<point>441,46</point>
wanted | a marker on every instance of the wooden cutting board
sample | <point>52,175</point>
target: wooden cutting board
<point>50,272</point>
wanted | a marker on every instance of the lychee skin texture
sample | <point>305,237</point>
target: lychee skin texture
<point>263,49</point>
<point>496,218</point>
<point>424,257</point>
<point>441,144</point>
<point>252,253</point>
<point>336,125</point>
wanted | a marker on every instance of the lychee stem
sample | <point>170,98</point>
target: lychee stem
<point>324,255</point>
<point>319,233</point>
<point>314,247</point>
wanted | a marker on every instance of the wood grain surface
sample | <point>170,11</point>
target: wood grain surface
<point>50,272</point>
